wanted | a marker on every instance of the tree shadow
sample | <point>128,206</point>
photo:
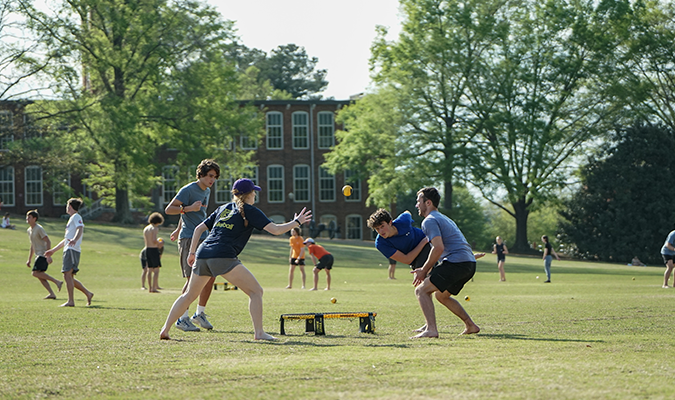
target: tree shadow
<point>511,336</point>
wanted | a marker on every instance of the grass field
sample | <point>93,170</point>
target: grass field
<point>594,333</point>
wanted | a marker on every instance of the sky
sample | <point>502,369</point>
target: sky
<point>339,34</point>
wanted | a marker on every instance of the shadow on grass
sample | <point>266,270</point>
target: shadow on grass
<point>118,308</point>
<point>509,336</point>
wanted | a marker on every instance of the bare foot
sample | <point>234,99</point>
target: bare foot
<point>265,336</point>
<point>422,329</point>
<point>425,334</point>
<point>59,284</point>
<point>164,336</point>
<point>67,305</point>
<point>89,296</point>
<point>312,289</point>
<point>50,297</point>
<point>470,330</point>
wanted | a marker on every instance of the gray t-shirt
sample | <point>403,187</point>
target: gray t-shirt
<point>187,195</point>
<point>670,239</point>
<point>456,248</point>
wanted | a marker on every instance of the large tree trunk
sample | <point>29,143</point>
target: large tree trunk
<point>122,210</point>
<point>522,212</point>
<point>447,198</point>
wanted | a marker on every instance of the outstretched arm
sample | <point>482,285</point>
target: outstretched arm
<point>299,219</point>
<point>410,257</point>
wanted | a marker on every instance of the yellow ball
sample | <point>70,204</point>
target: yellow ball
<point>347,190</point>
<point>333,300</point>
<point>467,298</point>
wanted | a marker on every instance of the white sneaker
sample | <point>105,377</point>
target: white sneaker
<point>184,324</point>
<point>201,320</point>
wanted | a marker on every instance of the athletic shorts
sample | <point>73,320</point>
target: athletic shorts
<point>501,257</point>
<point>421,258</point>
<point>452,276</point>
<point>667,257</point>
<point>391,261</point>
<point>325,262</point>
<point>301,261</point>
<point>215,266</point>
<point>152,254</point>
<point>183,253</point>
<point>40,264</point>
<point>71,261</point>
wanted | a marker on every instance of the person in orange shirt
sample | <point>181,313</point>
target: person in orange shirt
<point>322,260</point>
<point>297,256</point>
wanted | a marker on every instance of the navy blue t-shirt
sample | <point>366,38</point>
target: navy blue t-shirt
<point>405,241</point>
<point>228,235</point>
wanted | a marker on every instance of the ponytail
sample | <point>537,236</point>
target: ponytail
<point>238,199</point>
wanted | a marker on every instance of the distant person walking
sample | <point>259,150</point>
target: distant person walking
<point>548,257</point>
<point>500,249</point>
<point>39,243</point>
<point>668,254</point>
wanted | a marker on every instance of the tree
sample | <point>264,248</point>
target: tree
<point>623,207</point>
<point>135,76</point>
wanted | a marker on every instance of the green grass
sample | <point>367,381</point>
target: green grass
<point>594,333</point>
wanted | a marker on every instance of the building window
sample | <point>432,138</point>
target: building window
<point>353,223</point>
<point>275,184</point>
<point>326,130</point>
<point>61,190</point>
<point>33,177</point>
<point>30,131</point>
<point>223,186</point>
<point>7,186</point>
<point>326,185</point>
<point>170,183</point>
<point>350,179</point>
<point>329,223</point>
<point>275,131</point>
<point>247,143</point>
<point>6,129</point>
<point>300,130</point>
<point>301,183</point>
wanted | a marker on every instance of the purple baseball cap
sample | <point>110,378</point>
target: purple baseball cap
<point>245,185</point>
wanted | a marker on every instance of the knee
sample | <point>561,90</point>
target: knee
<point>34,273</point>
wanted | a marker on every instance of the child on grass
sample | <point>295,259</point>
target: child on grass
<point>152,253</point>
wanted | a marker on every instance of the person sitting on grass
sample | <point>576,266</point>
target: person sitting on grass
<point>6,224</point>
<point>230,227</point>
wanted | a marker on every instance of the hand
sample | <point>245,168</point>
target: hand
<point>174,235</point>
<point>28,263</point>
<point>419,276</point>
<point>49,253</point>
<point>49,259</point>
<point>191,259</point>
<point>196,206</point>
<point>304,216</point>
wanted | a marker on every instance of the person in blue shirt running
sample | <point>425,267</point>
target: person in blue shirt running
<point>230,227</point>
<point>668,254</point>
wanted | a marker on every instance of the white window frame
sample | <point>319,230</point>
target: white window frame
<point>299,181</point>
<point>325,178</point>
<point>272,182</point>
<point>57,190</point>
<point>7,186</point>
<point>350,230</point>
<point>170,183</point>
<point>6,129</point>
<point>247,144</point>
<point>223,187</point>
<point>300,131</point>
<point>323,129</point>
<point>356,187</point>
<point>34,197</point>
<point>275,131</point>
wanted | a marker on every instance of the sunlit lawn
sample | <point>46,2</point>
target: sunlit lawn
<point>598,331</point>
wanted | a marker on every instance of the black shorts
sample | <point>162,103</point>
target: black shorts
<point>452,276</point>
<point>301,261</point>
<point>421,258</point>
<point>667,257</point>
<point>391,261</point>
<point>40,264</point>
<point>501,257</point>
<point>152,255</point>
<point>325,262</point>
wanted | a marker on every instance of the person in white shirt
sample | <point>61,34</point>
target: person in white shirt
<point>71,252</point>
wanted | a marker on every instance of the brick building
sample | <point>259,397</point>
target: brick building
<point>289,158</point>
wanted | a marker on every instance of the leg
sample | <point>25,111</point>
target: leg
<point>327,279</point>
<point>183,302</point>
<point>423,327</point>
<point>666,275</point>
<point>392,271</point>
<point>423,293</point>
<point>206,292</point>
<point>456,308</point>
<point>500,265</point>
<point>291,269</point>
<point>44,280</point>
<point>152,279</point>
<point>244,279</point>
<point>316,278</point>
<point>79,286</point>
<point>547,268</point>
<point>68,277</point>
<point>143,275</point>
<point>302,273</point>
